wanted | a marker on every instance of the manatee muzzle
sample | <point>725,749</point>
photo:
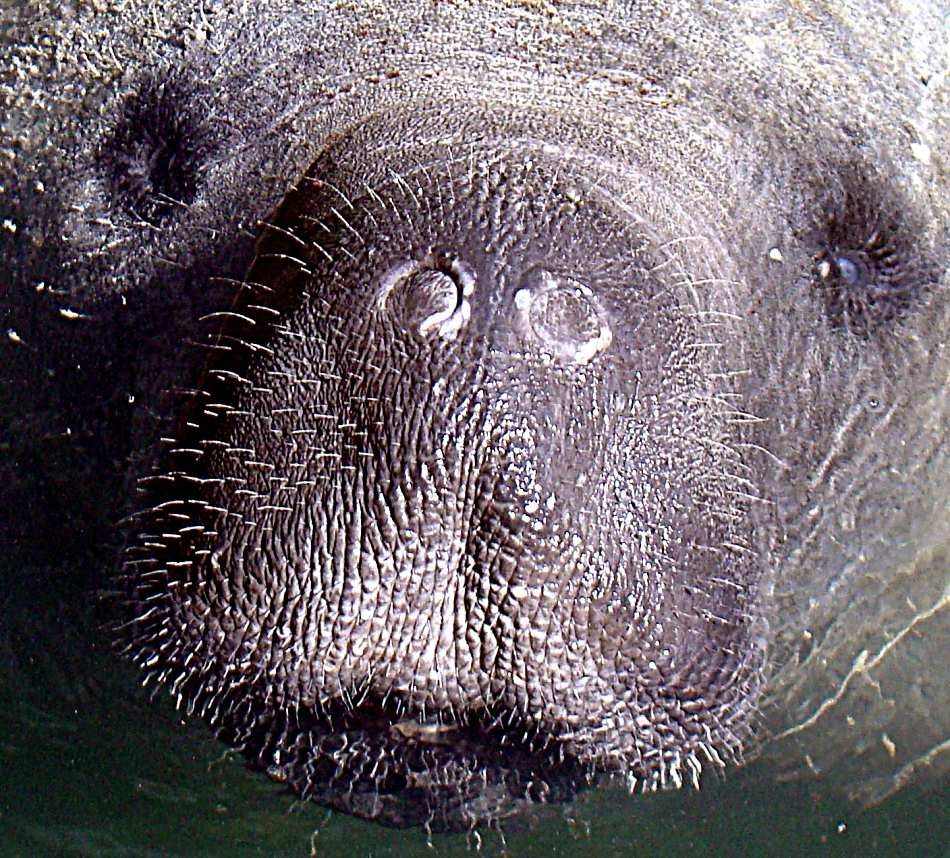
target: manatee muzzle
<point>454,519</point>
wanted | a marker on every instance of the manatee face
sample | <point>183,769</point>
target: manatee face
<point>580,418</point>
<point>463,449</point>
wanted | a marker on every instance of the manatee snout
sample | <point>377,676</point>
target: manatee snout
<point>458,492</point>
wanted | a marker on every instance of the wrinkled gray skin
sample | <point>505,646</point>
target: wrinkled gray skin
<point>583,412</point>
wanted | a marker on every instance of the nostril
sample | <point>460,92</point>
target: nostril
<point>428,298</point>
<point>563,317</point>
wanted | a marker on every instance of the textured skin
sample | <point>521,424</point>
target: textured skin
<point>721,142</point>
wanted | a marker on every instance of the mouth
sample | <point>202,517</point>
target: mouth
<point>405,771</point>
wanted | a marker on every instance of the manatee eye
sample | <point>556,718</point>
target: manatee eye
<point>153,157</point>
<point>851,271</point>
<point>428,298</point>
<point>871,268</point>
<point>563,317</point>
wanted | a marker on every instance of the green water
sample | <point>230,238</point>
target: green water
<point>90,767</point>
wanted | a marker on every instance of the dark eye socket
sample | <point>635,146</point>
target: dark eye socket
<point>154,155</point>
<point>871,268</point>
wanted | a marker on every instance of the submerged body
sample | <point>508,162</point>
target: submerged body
<point>582,411</point>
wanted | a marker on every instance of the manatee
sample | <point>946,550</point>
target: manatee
<point>568,403</point>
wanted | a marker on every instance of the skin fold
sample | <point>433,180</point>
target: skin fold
<point>566,397</point>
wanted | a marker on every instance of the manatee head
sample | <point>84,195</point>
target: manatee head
<point>574,399</point>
